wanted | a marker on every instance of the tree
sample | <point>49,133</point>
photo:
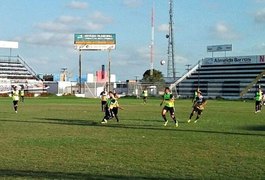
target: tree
<point>157,77</point>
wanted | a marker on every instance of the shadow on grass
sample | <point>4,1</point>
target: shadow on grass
<point>71,122</point>
<point>255,128</point>
<point>8,173</point>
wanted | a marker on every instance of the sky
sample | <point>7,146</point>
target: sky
<point>45,32</point>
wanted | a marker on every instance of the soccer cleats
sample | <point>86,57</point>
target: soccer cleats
<point>177,124</point>
<point>104,121</point>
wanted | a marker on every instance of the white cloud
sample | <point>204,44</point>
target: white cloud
<point>163,27</point>
<point>259,47</point>
<point>135,57</point>
<point>61,24</point>
<point>68,19</point>
<point>260,1</point>
<point>260,16</point>
<point>132,3</point>
<point>47,39</point>
<point>99,17</point>
<point>91,26</point>
<point>77,5</point>
<point>224,31</point>
<point>59,32</point>
<point>52,26</point>
<point>181,59</point>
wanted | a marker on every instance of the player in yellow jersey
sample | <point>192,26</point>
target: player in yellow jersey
<point>103,96</point>
<point>168,100</point>
<point>258,98</point>
<point>115,107</point>
<point>22,93</point>
<point>145,95</point>
<point>195,95</point>
<point>15,97</point>
<point>110,108</point>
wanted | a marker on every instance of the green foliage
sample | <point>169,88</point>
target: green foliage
<point>157,77</point>
<point>62,138</point>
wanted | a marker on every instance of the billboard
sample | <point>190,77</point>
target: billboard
<point>234,60</point>
<point>218,48</point>
<point>9,44</point>
<point>95,41</point>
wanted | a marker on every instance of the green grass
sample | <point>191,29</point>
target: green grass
<point>62,138</point>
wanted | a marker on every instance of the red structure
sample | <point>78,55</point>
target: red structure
<point>102,76</point>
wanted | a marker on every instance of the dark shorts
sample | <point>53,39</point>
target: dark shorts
<point>199,111</point>
<point>107,113</point>
<point>258,103</point>
<point>103,103</point>
<point>170,109</point>
<point>144,97</point>
<point>15,103</point>
<point>115,110</point>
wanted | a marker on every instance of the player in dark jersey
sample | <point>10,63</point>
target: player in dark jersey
<point>168,99</point>
<point>198,106</point>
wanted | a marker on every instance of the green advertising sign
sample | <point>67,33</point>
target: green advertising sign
<point>95,41</point>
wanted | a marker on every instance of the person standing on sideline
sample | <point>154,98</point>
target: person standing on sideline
<point>15,97</point>
<point>145,95</point>
<point>22,93</point>
<point>103,96</point>
<point>168,99</point>
<point>258,98</point>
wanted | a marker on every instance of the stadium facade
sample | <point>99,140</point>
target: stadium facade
<point>225,77</point>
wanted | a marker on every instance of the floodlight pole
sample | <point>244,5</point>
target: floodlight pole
<point>79,71</point>
<point>109,58</point>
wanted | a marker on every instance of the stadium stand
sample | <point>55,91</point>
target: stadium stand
<point>15,71</point>
<point>225,77</point>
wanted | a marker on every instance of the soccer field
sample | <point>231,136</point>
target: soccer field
<point>62,138</point>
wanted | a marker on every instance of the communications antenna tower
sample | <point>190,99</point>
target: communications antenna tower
<point>171,71</point>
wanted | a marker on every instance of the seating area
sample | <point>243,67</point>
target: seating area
<point>225,77</point>
<point>15,71</point>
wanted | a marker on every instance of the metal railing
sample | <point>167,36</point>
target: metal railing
<point>28,68</point>
<point>246,89</point>
<point>185,75</point>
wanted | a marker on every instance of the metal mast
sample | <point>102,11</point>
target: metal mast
<point>152,43</point>
<point>171,71</point>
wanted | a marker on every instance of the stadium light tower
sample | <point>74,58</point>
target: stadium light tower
<point>171,71</point>
<point>152,42</point>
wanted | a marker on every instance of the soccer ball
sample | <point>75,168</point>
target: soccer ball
<point>162,62</point>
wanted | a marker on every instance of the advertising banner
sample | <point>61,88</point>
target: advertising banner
<point>9,44</point>
<point>95,41</point>
<point>234,60</point>
<point>218,48</point>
